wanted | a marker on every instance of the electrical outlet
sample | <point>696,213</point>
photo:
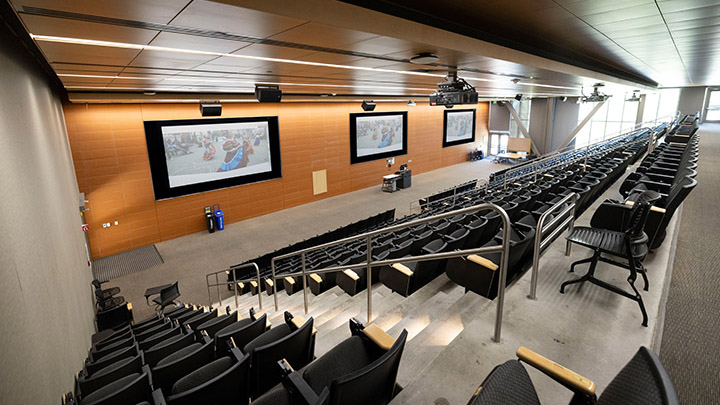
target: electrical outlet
<point>116,222</point>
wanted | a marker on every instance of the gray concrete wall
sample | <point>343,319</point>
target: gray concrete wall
<point>45,295</point>
<point>499,118</point>
<point>692,100</point>
<point>538,123</point>
<point>564,121</point>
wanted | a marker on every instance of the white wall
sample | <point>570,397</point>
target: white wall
<point>692,100</point>
<point>45,295</point>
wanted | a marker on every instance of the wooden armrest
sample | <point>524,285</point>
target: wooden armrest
<point>351,274</point>
<point>317,278</point>
<point>242,285</point>
<point>677,143</point>
<point>129,306</point>
<point>627,153</point>
<point>299,321</point>
<point>379,336</point>
<point>517,184</point>
<point>402,269</point>
<point>269,282</point>
<point>570,379</point>
<point>290,280</point>
<point>652,208</point>
<point>487,263</point>
<point>254,284</point>
<point>548,175</point>
<point>618,159</point>
<point>227,272</point>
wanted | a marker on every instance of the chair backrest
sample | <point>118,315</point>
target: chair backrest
<point>168,294</point>
<point>219,382</point>
<point>130,389</point>
<point>201,318</point>
<point>643,380</point>
<point>295,347</point>
<point>167,347</point>
<point>113,318</point>
<point>639,213</point>
<point>109,359</point>
<point>242,335</point>
<point>110,373</point>
<point>159,337</point>
<point>373,384</point>
<point>189,358</point>
<point>508,383</point>
<point>212,326</point>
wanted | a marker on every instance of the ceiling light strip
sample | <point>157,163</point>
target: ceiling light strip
<point>124,45</point>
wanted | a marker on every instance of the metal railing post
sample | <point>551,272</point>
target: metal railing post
<point>368,275</point>
<point>275,297</point>
<point>217,285</point>
<point>257,272</point>
<point>235,286</point>
<point>503,273</point>
<point>208,286</point>
<point>304,277</point>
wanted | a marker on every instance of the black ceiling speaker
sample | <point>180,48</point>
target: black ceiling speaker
<point>210,109</point>
<point>268,94</point>
<point>563,99</point>
<point>368,105</point>
<point>518,97</point>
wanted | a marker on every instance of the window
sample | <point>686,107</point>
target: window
<point>668,104</point>
<point>523,111</point>
<point>713,108</point>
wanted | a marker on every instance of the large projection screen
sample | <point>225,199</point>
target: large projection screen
<point>458,127</point>
<point>197,155</point>
<point>377,135</point>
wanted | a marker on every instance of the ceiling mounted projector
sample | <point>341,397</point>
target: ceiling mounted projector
<point>424,58</point>
<point>210,109</point>
<point>596,96</point>
<point>268,94</point>
<point>454,91</point>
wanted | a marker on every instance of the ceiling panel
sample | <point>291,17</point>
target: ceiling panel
<point>182,41</point>
<point>85,68</point>
<point>157,59</point>
<point>323,35</point>
<point>235,20</point>
<point>71,53</point>
<point>61,27</point>
<point>156,11</point>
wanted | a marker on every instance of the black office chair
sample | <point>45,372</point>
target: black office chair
<point>643,380</point>
<point>631,245</point>
<point>167,297</point>
<point>105,293</point>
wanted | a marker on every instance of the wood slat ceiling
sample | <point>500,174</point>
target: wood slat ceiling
<point>221,32</point>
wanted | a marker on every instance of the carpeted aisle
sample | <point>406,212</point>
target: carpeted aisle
<point>690,348</point>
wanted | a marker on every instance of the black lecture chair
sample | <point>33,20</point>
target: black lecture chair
<point>293,341</point>
<point>242,332</point>
<point>105,293</point>
<point>131,389</point>
<point>361,370</point>
<point>212,326</point>
<point>115,317</point>
<point>220,382</point>
<point>631,245</point>
<point>159,337</point>
<point>167,347</point>
<point>179,364</point>
<point>107,375</point>
<point>167,296</point>
<point>406,278</point>
<point>643,380</point>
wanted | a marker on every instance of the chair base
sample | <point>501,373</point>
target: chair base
<point>590,276</point>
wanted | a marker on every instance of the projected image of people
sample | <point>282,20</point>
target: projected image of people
<point>379,134</point>
<point>460,125</point>
<point>200,153</point>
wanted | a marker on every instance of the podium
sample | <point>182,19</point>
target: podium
<point>405,178</point>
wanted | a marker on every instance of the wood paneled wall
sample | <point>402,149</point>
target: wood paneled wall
<point>108,148</point>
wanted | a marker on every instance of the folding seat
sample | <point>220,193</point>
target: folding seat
<point>107,375</point>
<point>220,382</point>
<point>478,231</point>
<point>151,331</point>
<point>211,326</point>
<point>95,355</point>
<point>178,311</point>
<point>148,326</point>
<point>147,323</point>
<point>180,363</point>
<point>420,240</point>
<point>242,332</point>
<point>406,278</point>
<point>629,244</point>
<point>115,317</point>
<point>643,380</point>
<point>457,222</point>
<point>479,273</point>
<point>361,370</point>
<point>352,281</point>
<point>456,240</point>
<point>131,389</point>
<point>293,341</point>
<point>166,347</point>
<point>401,237</point>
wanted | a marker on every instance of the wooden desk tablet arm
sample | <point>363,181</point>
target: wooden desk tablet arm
<point>571,380</point>
<point>297,322</point>
<point>371,333</point>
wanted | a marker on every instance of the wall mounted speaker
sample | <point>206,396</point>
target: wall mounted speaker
<point>211,110</point>
<point>518,97</point>
<point>268,94</point>
<point>368,105</point>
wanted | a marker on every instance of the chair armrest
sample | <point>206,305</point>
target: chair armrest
<point>402,269</point>
<point>299,321</point>
<point>146,369</point>
<point>158,397</point>
<point>351,274</point>
<point>298,388</point>
<point>290,280</point>
<point>652,208</point>
<point>316,278</point>
<point>570,379</point>
<point>379,337</point>
<point>488,264</point>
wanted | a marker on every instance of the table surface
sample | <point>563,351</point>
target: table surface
<point>510,155</point>
<point>391,176</point>
<point>155,290</point>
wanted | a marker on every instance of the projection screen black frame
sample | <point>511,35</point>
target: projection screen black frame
<point>354,158</point>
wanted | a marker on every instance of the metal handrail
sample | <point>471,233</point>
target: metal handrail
<point>453,196</point>
<point>504,249</point>
<point>235,282</point>
<point>541,242</point>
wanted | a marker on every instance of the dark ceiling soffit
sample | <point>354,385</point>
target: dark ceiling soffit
<point>11,20</point>
<point>568,57</point>
<point>233,37</point>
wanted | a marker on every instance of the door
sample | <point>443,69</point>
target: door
<point>712,110</point>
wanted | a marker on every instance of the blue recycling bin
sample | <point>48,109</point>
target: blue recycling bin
<point>219,217</point>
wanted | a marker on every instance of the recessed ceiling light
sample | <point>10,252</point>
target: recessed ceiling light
<point>424,58</point>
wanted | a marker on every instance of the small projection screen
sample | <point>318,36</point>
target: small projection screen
<point>458,127</point>
<point>197,155</point>
<point>377,135</point>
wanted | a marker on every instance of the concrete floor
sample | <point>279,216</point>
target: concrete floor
<point>188,259</point>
